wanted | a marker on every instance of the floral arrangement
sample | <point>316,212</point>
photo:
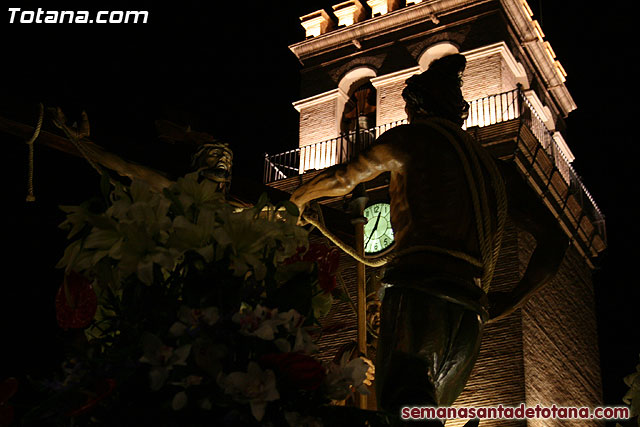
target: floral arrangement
<point>632,397</point>
<point>190,311</point>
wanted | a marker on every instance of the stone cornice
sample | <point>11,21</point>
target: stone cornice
<point>527,30</point>
<point>529,33</point>
<point>562,144</point>
<point>316,99</point>
<point>403,75</point>
<point>391,21</point>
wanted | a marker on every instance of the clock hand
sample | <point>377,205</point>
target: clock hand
<point>374,228</point>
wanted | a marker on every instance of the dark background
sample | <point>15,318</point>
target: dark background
<point>226,69</point>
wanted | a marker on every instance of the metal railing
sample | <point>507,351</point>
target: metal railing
<point>322,154</point>
<point>482,112</point>
<point>559,160</point>
<point>493,109</point>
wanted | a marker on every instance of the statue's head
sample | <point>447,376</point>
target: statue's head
<point>436,92</point>
<point>213,161</point>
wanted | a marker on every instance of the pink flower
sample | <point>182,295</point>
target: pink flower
<point>261,322</point>
<point>190,318</point>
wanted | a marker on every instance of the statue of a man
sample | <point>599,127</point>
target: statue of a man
<point>213,161</point>
<point>447,197</point>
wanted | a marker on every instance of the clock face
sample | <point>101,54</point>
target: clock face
<point>378,234</point>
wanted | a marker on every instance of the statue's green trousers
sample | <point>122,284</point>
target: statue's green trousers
<point>429,341</point>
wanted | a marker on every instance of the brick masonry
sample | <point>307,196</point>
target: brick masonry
<point>498,376</point>
<point>318,122</point>
<point>483,77</point>
<point>560,342</point>
<point>390,103</point>
<point>545,353</point>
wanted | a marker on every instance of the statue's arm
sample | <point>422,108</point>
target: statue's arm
<point>341,179</point>
<point>528,213</point>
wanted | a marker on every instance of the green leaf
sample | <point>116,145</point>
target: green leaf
<point>105,274</point>
<point>70,254</point>
<point>321,305</point>
<point>262,202</point>
<point>341,296</point>
<point>77,218</point>
<point>102,239</point>
<point>140,191</point>
<point>178,208</point>
<point>291,208</point>
<point>105,185</point>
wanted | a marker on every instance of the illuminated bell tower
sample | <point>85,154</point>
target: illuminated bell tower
<point>355,60</point>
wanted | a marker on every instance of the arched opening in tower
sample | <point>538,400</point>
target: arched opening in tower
<point>359,118</point>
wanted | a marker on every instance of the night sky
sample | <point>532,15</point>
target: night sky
<point>225,68</point>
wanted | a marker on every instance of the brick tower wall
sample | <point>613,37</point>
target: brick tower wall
<point>390,102</point>
<point>498,376</point>
<point>486,76</point>
<point>560,342</point>
<point>318,121</point>
<point>483,77</point>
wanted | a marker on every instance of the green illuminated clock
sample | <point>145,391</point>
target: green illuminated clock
<point>378,234</point>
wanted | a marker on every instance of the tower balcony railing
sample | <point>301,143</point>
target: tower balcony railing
<point>558,161</point>
<point>322,154</point>
<point>483,112</point>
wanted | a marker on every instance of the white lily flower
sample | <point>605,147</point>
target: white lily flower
<point>190,318</point>
<point>179,401</point>
<point>291,320</point>
<point>347,376</point>
<point>255,387</point>
<point>162,358</point>
<point>201,195</point>
<point>304,343</point>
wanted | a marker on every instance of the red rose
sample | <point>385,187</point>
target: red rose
<point>6,415</point>
<point>332,261</point>
<point>76,302</point>
<point>326,282</point>
<point>295,370</point>
<point>295,257</point>
<point>327,270</point>
<point>327,260</point>
<point>7,389</point>
<point>316,252</point>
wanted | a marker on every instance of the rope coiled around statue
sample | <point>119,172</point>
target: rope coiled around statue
<point>489,230</point>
